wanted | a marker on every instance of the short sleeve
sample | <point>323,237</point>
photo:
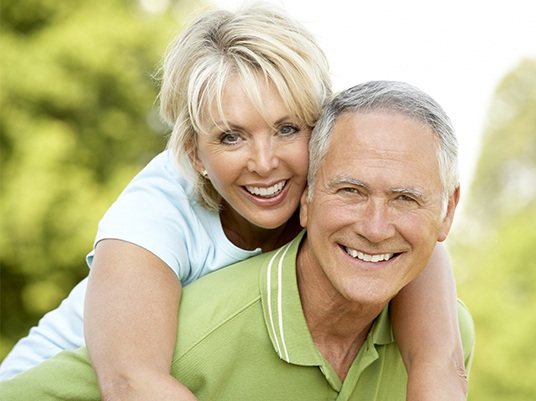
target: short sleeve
<point>154,212</point>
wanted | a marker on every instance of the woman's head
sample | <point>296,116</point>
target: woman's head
<point>258,45</point>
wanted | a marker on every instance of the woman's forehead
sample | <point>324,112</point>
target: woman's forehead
<point>238,99</point>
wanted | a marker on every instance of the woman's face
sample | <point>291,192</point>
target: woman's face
<point>258,164</point>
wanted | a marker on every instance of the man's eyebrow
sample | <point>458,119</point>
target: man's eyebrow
<point>409,191</point>
<point>344,179</point>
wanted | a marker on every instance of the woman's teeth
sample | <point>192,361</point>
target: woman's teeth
<point>267,192</point>
<point>369,258</point>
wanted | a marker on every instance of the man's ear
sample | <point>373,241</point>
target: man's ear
<point>449,217</point>
<point>303,207</point>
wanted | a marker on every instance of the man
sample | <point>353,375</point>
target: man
<point>310,321</point>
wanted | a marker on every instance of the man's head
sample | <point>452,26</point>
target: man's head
<point>390,97</point>
<point>383,189</point>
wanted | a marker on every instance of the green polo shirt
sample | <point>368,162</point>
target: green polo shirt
<point>242,335</point>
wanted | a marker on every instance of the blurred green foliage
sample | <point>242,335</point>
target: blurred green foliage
<point>494,248</point>
<point>78,119</point>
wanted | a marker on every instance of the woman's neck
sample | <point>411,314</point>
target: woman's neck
<point>248,236</point>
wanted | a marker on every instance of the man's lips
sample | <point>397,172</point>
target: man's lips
<point>366,257</point>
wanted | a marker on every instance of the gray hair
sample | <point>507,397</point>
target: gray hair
<point>395,97</point>
<point>256,40</point>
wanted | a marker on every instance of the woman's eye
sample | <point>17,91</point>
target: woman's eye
<point>229,138</point>
<point>288,129</point>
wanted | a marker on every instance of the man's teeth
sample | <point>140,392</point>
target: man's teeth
<point>267,192</point>
<point>369,258</point>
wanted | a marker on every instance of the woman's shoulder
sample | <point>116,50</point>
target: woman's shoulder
<point>165,171</point>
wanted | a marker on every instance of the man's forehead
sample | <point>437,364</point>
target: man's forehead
<point>380,134</point>
<point>382,148</point>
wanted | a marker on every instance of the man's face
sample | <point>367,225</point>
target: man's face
<point>375,215</point>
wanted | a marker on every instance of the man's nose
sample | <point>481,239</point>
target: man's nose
<point>375,221</point>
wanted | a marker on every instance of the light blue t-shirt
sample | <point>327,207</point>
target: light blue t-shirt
<point>156,212</point>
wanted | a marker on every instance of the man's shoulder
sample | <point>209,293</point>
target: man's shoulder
<point>227,281</point>
<point>219,303</point>
<point>219,297</point>
<point>232,287</point>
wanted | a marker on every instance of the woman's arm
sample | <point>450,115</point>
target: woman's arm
<point>130,327</point>
<point>425,322</point>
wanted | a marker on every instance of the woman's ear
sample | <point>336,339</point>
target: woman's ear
<point>195,160</point>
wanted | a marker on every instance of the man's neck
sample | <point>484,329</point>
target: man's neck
<point>338,326</point>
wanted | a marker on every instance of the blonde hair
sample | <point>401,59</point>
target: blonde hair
<point>256,41</point>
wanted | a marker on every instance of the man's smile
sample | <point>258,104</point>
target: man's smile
<point>381,257</point>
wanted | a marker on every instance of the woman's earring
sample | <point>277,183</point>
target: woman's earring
<point>204,173</point>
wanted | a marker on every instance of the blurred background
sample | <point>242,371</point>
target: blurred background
<point>79,118</point>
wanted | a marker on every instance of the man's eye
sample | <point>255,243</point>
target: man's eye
<point>229,138</point>
<point>406,198</point>
<point>349,190</point>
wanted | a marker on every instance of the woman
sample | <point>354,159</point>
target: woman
<point>241,92</point>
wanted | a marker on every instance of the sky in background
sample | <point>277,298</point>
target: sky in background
<point>456,50</point>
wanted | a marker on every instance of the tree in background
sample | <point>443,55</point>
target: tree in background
<point>495,249</point>
<point>78,119</point>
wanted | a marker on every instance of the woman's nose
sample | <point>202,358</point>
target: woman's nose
<point>263,158</point>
